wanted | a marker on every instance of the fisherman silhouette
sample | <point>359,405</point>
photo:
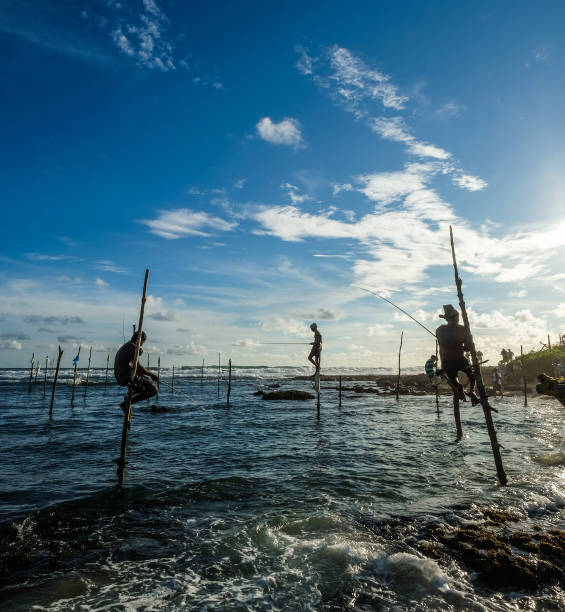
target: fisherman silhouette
<point>142,386</point>
<point>314,356</point>
<point>453,341</point>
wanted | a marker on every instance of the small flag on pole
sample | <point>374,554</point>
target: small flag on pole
<point>76,359</point>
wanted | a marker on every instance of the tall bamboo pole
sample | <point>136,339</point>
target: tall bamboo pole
<point>548,342</point>
<point>339,392</point>
<point>481,388</point>
<point>127,416</point>
<point>437,386</point>
<point>398,379</point>
<point>173,381</point>
<point>45,377</point>
<point>524,379</point>
<point>229,381</point>
<point>55,382</point>
<point>31,371</point>
<point>219,374</point>
<point>107,366</point>
<point>87,373</point>
<point>202,372</point>
<point>75,378</point>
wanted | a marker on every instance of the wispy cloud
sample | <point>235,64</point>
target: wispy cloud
<point>44,257</point>
<point>109,266</point>
<point>355,86</point>
<point>322,314</point>
<point>285,132</point>
<point>170,316</point>
<point>295,194</point>
<point>182,222</point>
<point>52,320</point>
<point>101,282</point>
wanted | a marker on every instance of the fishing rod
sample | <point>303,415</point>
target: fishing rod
<point>397,307</point>
<point>163,382</point>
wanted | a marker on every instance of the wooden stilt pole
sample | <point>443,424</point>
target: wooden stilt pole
<point>87,373</point>
<point>229,381</point>
<point>524,379</point>
<point>158,372</point>
<point>339,392</point>
<point>173,381</point>
<point>398,379</point>
<point>219,374</point>
<point>31,371</point>
<point>75,378</point>
<point>45,376</point>
<point>318,389</point>
<point>457,416</point>
<point>55,382</point>
<point>202,372</point>
<point>437,386</point>
<point>107,366</point>
<point>548,342</point>
<point>481,388</point>
<point>37,368</point>
<point>127,416</point>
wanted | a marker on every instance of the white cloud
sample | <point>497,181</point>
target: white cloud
<point>339,187</point>
<point>186,349</point>
<point>305,62</point>
<point>169,316</point>
<point>519,293</point>
<point>10,345</point>
<point>469,182</point>
<point>286,132</point>
<point>144,37</point>
<point>286,326</point>
<point>182,222</point>
<point>386,187</point>
<point>43,257</point>
<point>240,183</point>
<point>394,128</point>
<point>101,283</point>
<point>559,310</point>
<point>294,193</point>
<point>356,81</point>
<point>109,266</point>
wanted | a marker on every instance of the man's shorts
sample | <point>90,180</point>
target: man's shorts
<point>452,368</point>
<point>143,383</point>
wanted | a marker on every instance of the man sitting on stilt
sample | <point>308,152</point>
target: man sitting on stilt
<point>143,388</point>
<point>453,341</point>
<point>314,356</point>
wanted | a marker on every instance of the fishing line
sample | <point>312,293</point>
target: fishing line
<point>397,307</point>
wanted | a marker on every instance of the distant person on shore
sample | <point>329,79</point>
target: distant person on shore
<point>497,382</point>
<point>431,371</point>
<point>143,388</point>
<point>453,342</point>
<point>314,356</point>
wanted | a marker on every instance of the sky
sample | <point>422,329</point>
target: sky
<point>264,160</point>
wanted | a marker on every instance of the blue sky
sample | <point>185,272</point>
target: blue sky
<point>263,159</point>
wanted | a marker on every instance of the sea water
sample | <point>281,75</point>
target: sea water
<point>260,505</point>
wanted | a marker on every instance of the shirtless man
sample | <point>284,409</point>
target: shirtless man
<point>453,342</point>
<point>314,356</point>
<point>143,388</point>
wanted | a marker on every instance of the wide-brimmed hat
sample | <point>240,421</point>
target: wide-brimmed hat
<point>313,326</point>
<point>433,357</point>
<point>449,312</point>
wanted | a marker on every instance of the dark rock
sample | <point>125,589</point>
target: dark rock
<point>290,394</point>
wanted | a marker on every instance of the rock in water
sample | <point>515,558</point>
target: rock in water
<point>290,394</point>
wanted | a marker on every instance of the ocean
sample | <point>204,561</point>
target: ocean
<point>264,506</point>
